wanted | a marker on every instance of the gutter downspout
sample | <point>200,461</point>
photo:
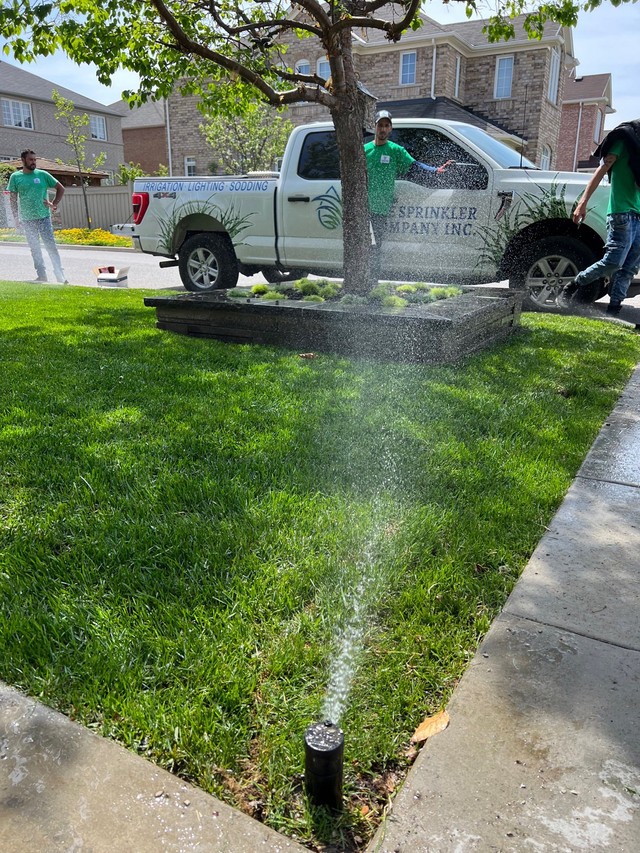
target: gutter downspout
<point>166,113</point>
<point>575,153</point>
<point>433,71</point>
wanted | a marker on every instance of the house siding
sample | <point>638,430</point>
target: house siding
<point>47,138</point>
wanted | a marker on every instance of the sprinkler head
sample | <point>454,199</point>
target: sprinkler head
<point>323,758</point>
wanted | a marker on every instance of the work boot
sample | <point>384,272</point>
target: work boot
<point>613,308</point>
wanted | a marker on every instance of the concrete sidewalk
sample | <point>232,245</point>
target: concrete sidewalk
<point>542,753</point>
<point>543,750</point>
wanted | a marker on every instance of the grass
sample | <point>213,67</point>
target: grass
<point>183,523</point>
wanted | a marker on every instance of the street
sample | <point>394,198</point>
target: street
<point>144,273</point>
<point>78,263</point>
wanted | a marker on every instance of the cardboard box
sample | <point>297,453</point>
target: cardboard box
<point>108,274</point>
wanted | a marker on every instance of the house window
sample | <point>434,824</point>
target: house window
<point>408,68</point>
<point>504,77</point>
<point>98,127</point>
<point>189,166</point>
<point>303,66</point>
<point>545,158</point>
<point>456,88</point>
<point>598,130</point>
<point>324,69</point>
<point>554,76</point>
<point>16,114</point>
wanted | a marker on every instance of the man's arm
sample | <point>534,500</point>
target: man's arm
<point>581,208</point>
<point>13,201</point>
<point>59,193</point>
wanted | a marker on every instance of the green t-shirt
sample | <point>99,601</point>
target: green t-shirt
<point>32,192</point>
<point>385,163</point>
<point>625,193</point>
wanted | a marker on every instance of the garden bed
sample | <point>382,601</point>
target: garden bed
<point>440,332</point>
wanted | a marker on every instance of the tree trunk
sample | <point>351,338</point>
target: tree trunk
<point>349,120</point>
<point>356,233</point>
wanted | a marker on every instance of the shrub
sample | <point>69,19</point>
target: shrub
<point>236,293</point>
<point>313,297</point>
<point>260,289</point>
<point>391,301</point>
<point>307,287</point>
<point>330,290</point>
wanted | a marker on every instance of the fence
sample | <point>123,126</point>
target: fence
<point>107,205</point>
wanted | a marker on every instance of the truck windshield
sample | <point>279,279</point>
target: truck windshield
<point>504,156</point>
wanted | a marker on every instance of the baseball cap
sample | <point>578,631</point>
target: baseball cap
<point>383,114</point>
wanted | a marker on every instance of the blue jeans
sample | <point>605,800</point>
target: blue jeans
<point>34,229</point>
<point>621,259</point>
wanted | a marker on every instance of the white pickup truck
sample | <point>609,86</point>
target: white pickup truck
<point>490,216</point>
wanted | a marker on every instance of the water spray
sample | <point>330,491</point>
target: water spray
<point>323,759</point>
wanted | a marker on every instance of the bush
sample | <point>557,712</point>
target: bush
<point>330,290</point>
<point>307,287</point>
<point>260,289</point>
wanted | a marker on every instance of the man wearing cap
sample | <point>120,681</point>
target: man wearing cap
<point>386,162</point>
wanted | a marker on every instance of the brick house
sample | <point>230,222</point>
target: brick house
<point>587,100</point>
<point>144,134</point>
<point>514,90</point>
<point>28,120</point>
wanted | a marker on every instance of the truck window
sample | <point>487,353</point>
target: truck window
<point>319,157</point>
<point>434,148</point>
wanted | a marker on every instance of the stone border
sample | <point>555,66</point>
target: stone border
<point>439,333</point>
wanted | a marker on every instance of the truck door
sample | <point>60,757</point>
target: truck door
<point>434,229</point>
<point>310,206</point>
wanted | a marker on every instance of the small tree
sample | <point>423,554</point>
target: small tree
<point>128,172</point>
<point>76,139</point>
<point>248,145</point>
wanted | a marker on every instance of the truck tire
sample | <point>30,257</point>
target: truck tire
<point>207,262</point>
<point>547,265</point>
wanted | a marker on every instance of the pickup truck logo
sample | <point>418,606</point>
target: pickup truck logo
<point>164,195</point>
<point>330,209</point>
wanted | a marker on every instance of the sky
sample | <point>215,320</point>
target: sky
<point>605,41</point>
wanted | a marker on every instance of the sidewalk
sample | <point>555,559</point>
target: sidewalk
<point>543,750</point>
<point>542,753</point>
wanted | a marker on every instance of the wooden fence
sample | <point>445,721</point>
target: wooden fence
<point>107,205</point>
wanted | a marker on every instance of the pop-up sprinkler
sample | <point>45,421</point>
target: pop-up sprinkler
<point>323,756</point>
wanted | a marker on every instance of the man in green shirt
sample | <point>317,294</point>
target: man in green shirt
<point>620,152</point>
<point>33,213</point>
<point>386,162</point>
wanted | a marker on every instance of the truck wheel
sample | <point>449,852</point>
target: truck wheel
<point>275,276</point>
<point>547,265</point>
<point>207,262</point>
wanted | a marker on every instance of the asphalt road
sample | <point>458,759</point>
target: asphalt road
<point>78,263</point>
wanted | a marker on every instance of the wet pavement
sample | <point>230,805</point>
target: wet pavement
<point>542,753</point>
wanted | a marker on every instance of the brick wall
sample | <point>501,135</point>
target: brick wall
<point>147,146</point>
<point>186,137</point>
<point>578,124</point>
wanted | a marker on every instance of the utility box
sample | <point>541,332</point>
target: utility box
<point>111,275</point>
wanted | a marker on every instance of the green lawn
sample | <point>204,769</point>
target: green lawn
<point>185,526</point>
